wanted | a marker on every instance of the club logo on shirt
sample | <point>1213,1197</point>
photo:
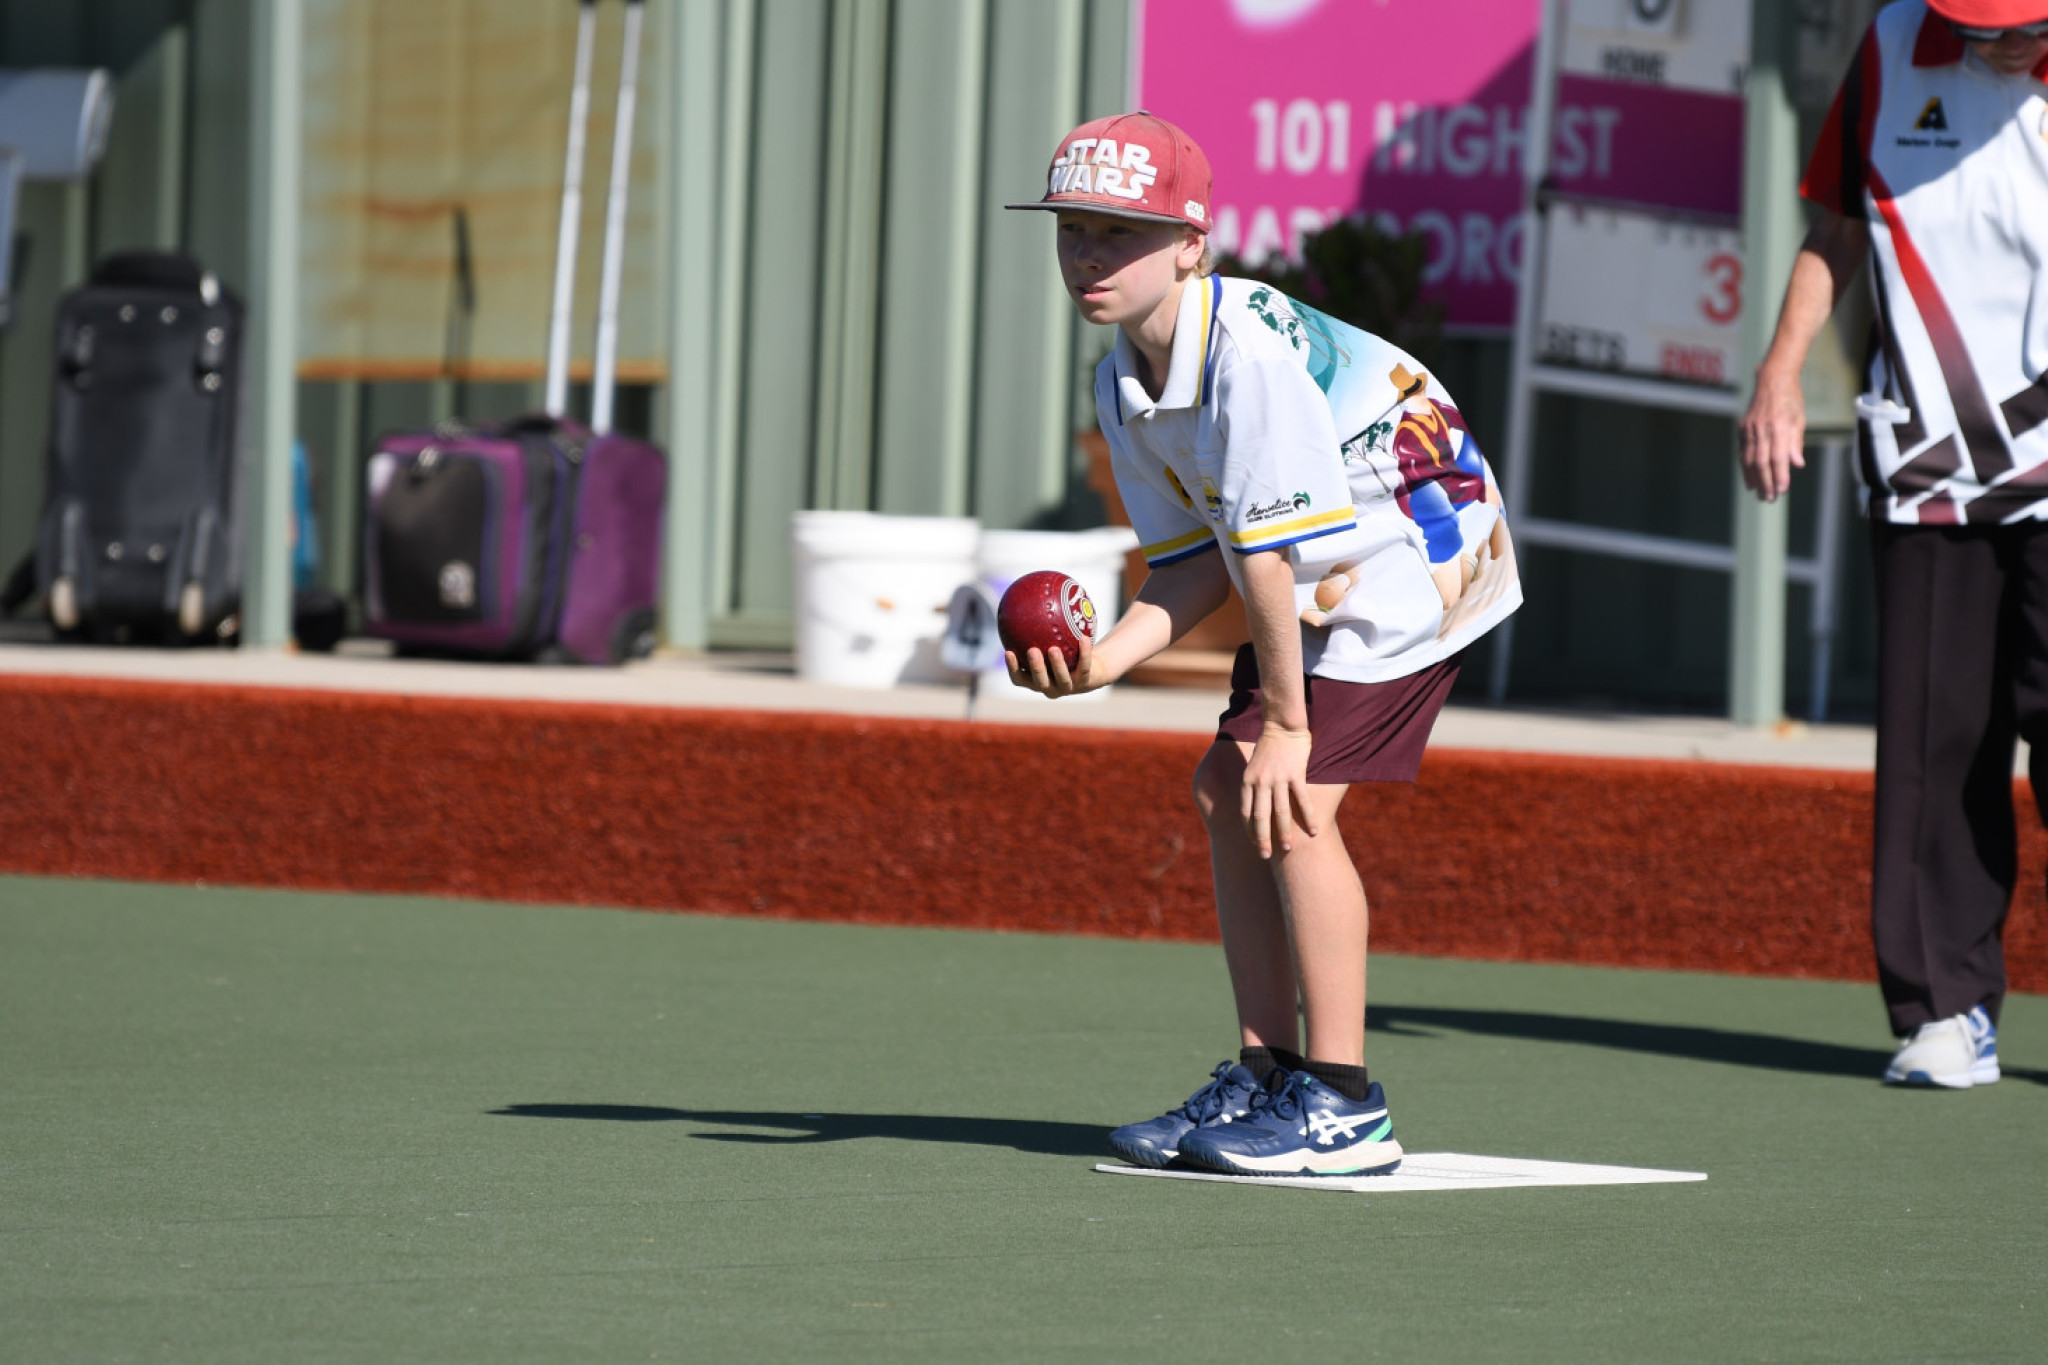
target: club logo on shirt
<point>1278,507</point>
<point>1212,499</point>
<point>1933,119</point>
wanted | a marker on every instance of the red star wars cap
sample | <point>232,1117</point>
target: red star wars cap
<point>1132,166</point>
<point>1991,13</point>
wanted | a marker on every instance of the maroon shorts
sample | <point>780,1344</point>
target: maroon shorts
<point>1363,732</point>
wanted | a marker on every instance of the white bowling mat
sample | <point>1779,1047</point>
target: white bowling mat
<point>1442,1171</point>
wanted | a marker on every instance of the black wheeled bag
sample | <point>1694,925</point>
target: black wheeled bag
<point>138,531</point>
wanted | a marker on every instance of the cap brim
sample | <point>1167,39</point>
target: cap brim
<point>1107,211</point>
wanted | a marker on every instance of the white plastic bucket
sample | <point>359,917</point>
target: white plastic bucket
<point>1094,558</point>
<point>871,594</point>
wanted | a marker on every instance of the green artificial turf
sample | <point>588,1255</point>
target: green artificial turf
<point>261,1126</point>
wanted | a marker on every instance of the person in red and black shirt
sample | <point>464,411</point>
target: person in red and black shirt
<point>1932,168</point>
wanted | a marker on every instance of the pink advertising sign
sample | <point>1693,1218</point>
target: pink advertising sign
<point>1415,111</point>
<point>1310,109</point>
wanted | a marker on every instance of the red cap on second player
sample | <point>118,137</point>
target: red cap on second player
<point>1130,165</point>
<point>1991,13</point>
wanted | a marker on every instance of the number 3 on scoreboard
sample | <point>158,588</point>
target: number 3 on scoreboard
<point>1722,301</point>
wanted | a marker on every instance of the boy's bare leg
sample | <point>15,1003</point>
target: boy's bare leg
<point>1249,910</point>
<point>1326,921</point>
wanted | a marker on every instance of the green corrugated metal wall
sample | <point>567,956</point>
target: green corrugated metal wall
<point>877,332</point>
<point>890,339</point>
<point>852,320</point>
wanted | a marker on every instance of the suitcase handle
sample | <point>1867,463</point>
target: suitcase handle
<point>604,374</point>
<point>156,269</point>
<point>152,270</point>
<point>604,379</point>
<point>557,401</point>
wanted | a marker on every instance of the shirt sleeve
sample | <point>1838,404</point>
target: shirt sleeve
<point>1164,515</point>
<point>1283,475</point>
<point>1839,168</point>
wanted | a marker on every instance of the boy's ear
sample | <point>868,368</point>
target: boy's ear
<point>1192,244</point>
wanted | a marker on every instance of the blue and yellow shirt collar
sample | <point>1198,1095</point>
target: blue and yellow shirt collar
<point>1190,372</point>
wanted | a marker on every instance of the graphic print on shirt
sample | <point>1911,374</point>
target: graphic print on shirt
<point>1441,475</point>
<point>1270,306</point>
<point>1297,434</point>
<point>1419,449</point>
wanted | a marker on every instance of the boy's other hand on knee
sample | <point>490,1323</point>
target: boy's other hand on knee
<point>1274,799</point>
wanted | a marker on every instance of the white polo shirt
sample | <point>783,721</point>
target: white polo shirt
<point>1947,161</point>
<point>1280,428</point>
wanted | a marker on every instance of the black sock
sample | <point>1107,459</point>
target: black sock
<point>1264,1061</point>
<point>1348,1081</point>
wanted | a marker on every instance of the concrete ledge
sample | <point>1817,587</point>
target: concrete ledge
<point>765,680</point>
<point>1706,866</point>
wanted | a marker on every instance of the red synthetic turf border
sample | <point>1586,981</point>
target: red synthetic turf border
<point>1699,866</point>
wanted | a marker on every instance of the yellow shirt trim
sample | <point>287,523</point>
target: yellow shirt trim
<point>1342,516</point>
<point>1167,547</point>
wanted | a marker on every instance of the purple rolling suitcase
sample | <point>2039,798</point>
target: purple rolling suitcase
<point>539,536</point>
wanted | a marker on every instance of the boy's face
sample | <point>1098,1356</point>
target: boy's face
<point>1118,269</point>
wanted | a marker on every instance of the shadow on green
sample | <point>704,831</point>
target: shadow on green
<point>1023,1135</point>
<point>1768,1051</point>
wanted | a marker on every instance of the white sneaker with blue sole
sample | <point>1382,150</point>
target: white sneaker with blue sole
<point>1303,1128</point>
<point>1952,1054</point>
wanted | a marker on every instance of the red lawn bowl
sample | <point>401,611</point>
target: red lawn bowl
<point>1046,610</point>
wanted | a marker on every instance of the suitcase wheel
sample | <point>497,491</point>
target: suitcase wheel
<point>192,608</point>
<point>64,604</point>
<point>633,636</point>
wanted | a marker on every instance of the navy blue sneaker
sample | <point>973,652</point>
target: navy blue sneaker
<point>1303,1128</point>
<point>1227,1097</point>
